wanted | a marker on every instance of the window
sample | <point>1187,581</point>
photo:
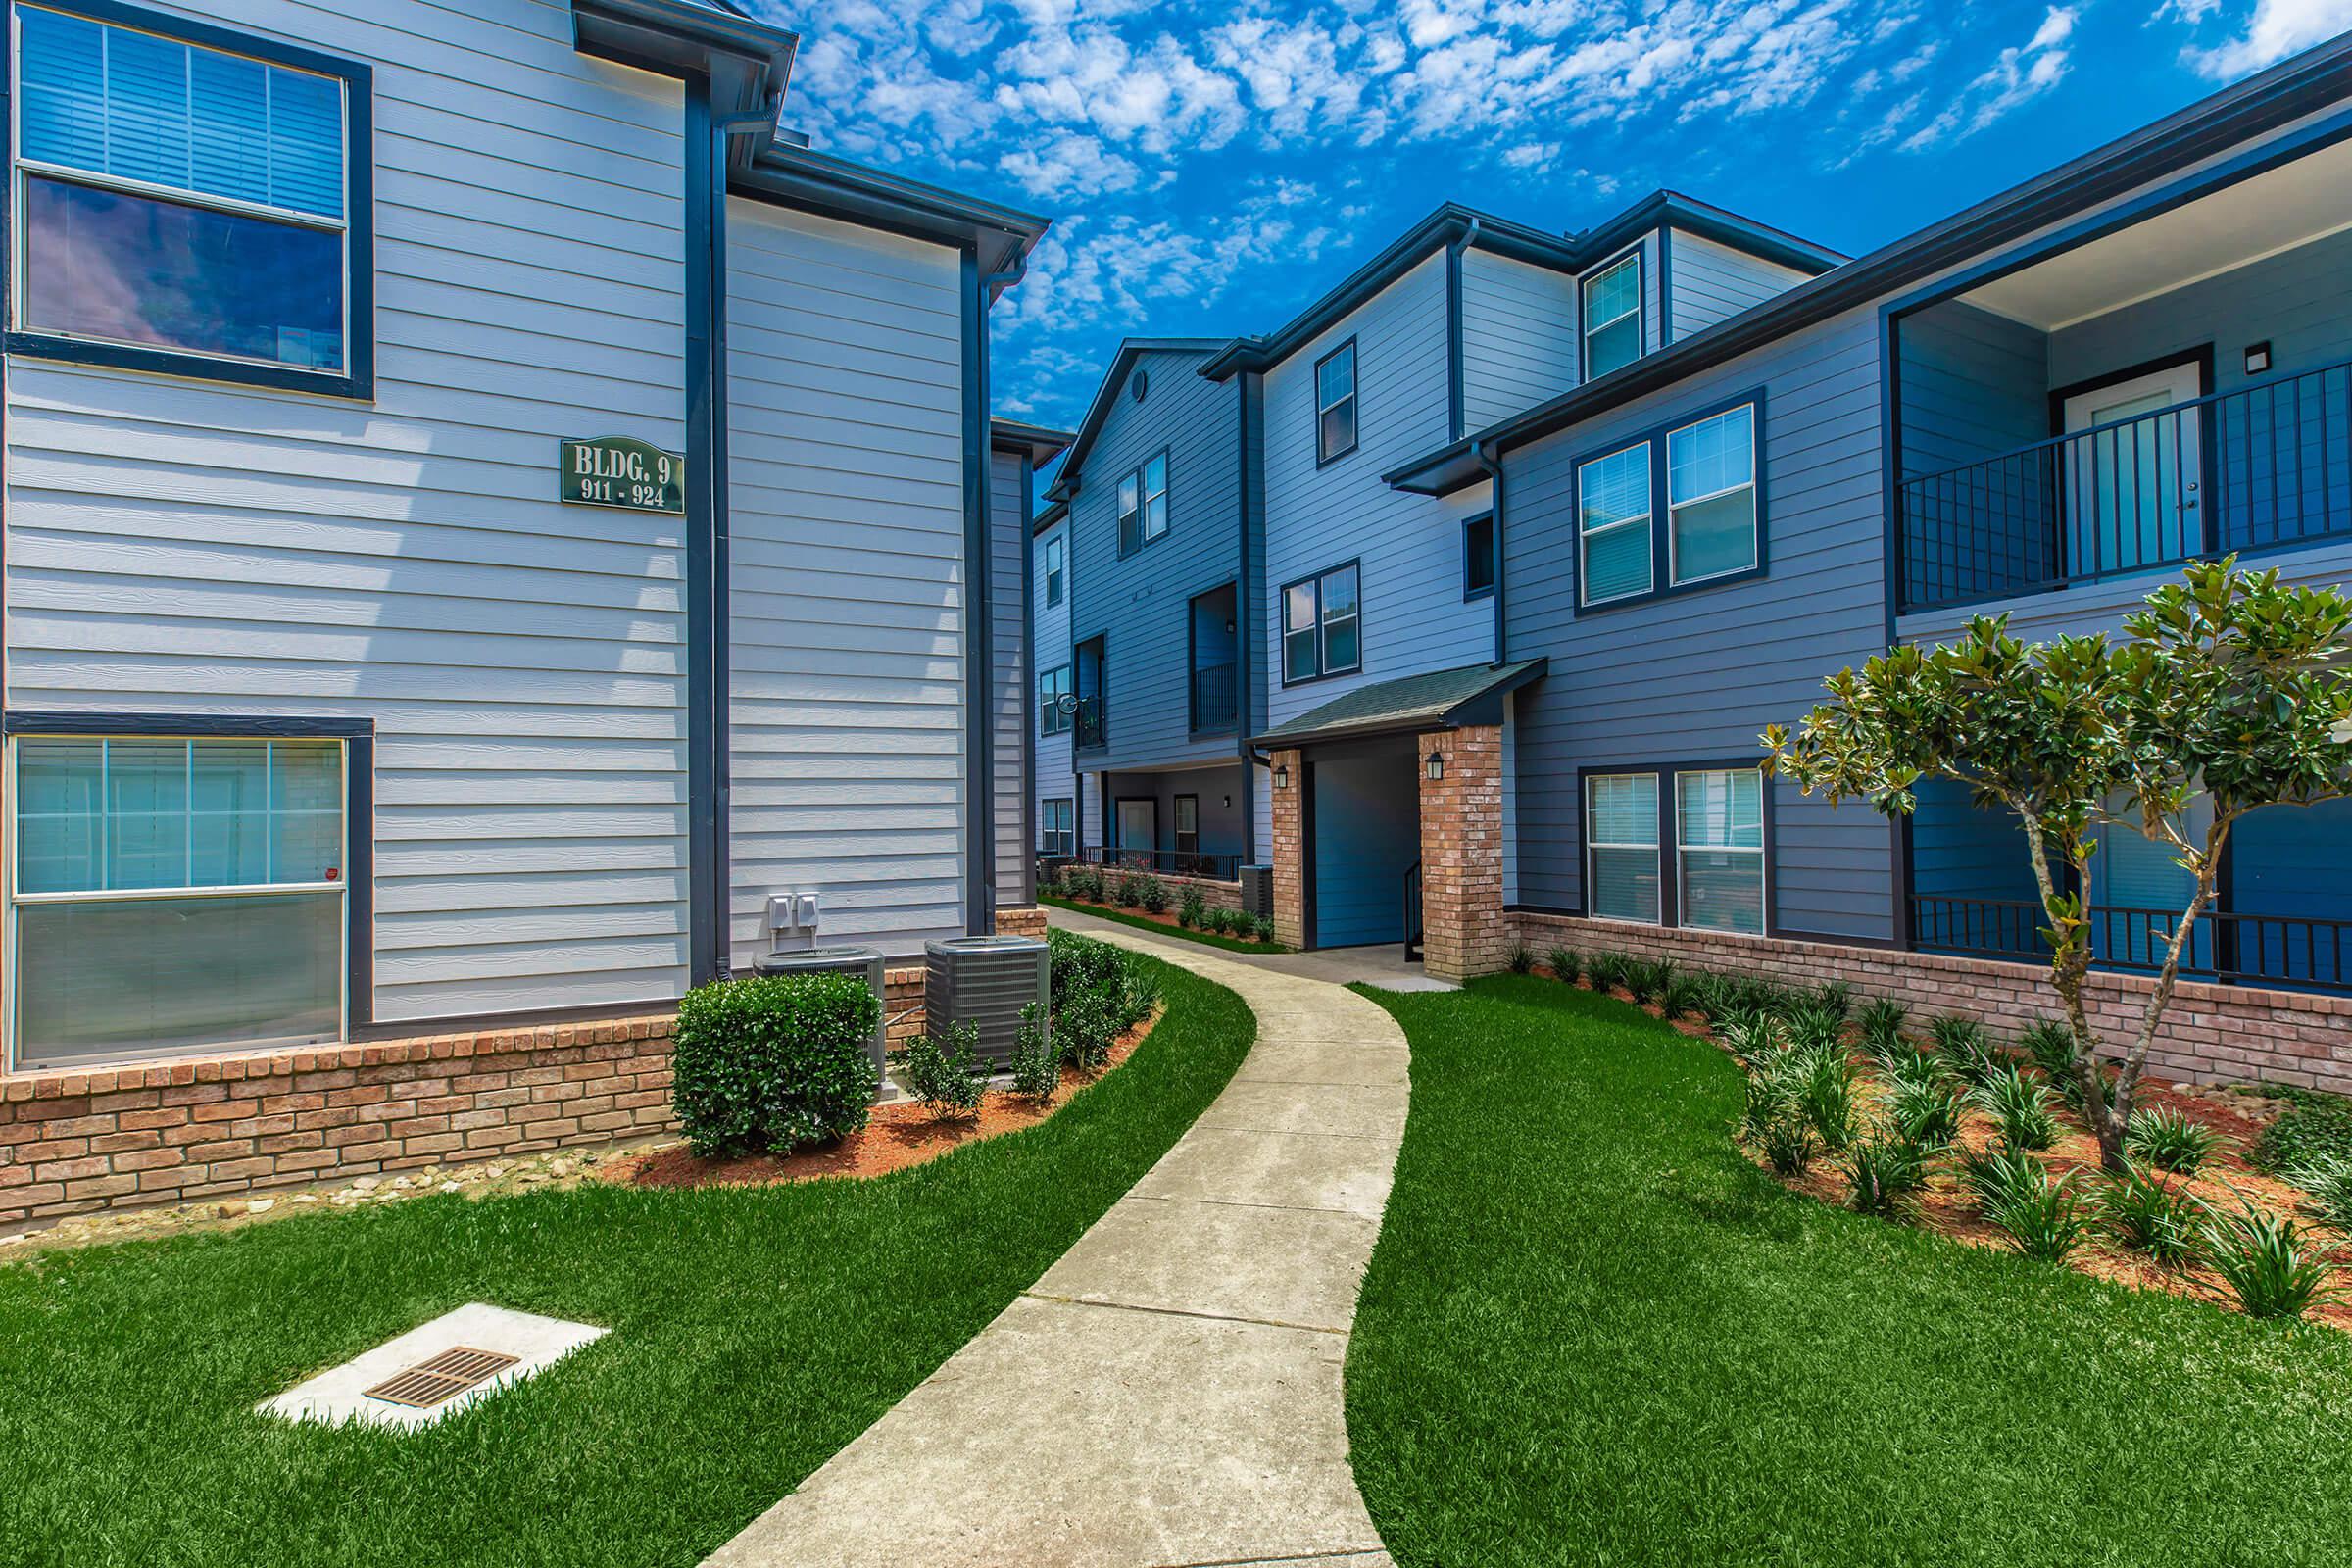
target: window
<point>1711,496</point>
<point>1478,557</point>
<point>1621,845</point>
<point>1719,842</point>
<point>1613,317</point>
<point>175,895</point>
<point>1612,525</point>
<point>1188,824</point>
<point>1321,632</point>
<point>1335,402</point>
<point>1156,498</point>
<point>188,208</point>
<point>1057,832</point>
<point>1053,568</point>
<point>1131,514</point>
<point>1052,703</point>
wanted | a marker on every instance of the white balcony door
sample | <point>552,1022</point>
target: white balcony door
<point>1138,827</point>
<point>2132,479</point>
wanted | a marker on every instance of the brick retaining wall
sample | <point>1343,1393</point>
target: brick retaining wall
<point>2210,1033</point>
<point>131,1136</point>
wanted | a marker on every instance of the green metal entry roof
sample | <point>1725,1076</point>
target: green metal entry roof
<point>1441,699</point>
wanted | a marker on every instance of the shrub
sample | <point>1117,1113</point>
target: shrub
<point>1754,1038</point>
<point>1788,1145</point>
<point>1882,1016</point>
<point>944,1072</point>
<point>2020,1105</point>
<point>1812,1029</point>
<point>2313,1127</point>
<point>2046,1219</point>
<point>2170,1140</point>
<point>1606,971</point>
<point>773,1063</point>
<point>1642,981</point>
<point>1770,1098</point>
<point>1522,958</point>
<point>1265,926</point>
<point>1566,966</point>
<point>1835,998</point>
<point>1218,920</point>
<point>1191,909</point>
<point>2146,1216</point>
<point>1036,1061</point>
<point>1826,1096</point>
<point>1966,1047</point>
<point>1683,994</point>
<point>2267,1260</point>
<point>2327,1179</point>
<point>1927,1111</point>
<point>1130,890</point>
<point>2052,1046</point>
<point>1994,1177</point>
<point>1884,1167</point>
<point>1152,894</point>
<point>1084,883</point>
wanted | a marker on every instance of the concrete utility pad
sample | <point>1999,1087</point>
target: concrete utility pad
<point>336,1395</point>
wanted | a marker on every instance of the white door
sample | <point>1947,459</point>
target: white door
<point>2133,475</point>
<point>1138,827</point>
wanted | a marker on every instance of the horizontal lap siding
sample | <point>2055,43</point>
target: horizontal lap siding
<point>1712,282</point>
<point>1974,385</point>
<point>188,549</point>
<point>1009,683</point>
<point>1140,603</point>
<point>1410,546</point>
<point>845,640</point>
<point>1050,636</point>
<point>1519,336</point>
<point>1695,677</point>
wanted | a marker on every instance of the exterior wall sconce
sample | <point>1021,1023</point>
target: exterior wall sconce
<point>2258,357</point>
<point>1436,766</point>
<point>1282,775</point>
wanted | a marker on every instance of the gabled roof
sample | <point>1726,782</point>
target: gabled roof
<point>1130,349</point>
<point>1455,223</point>
<point>2256,107</point>
<point>1437,699</point>
<point>1052,512</point>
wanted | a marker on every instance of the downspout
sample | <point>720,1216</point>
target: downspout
<point>1455,397</point>
<point>1484,457</point>
<point>979,628</point>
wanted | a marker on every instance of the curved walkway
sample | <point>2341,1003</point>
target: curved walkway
<point>1167,1395</point>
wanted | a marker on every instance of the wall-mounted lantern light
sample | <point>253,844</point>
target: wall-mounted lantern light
<point>1282,775</point>
<point>1436,766</point>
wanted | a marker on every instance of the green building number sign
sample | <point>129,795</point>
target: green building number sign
<point>619,471</point>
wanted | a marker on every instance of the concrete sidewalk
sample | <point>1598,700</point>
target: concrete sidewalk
<point>1168,1394</point>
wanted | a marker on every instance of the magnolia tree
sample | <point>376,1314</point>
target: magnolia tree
<point>2227,687</point>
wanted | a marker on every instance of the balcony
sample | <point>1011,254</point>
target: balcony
<point>1087,729</point>
<point>2284,951</point>
<point>2262,467</point>
<point>1214,698</point>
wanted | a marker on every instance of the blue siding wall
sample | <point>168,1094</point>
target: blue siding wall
<point>1139,601</point>
<point>1367,809</point>
<point>2290,860</point>
<point>1713,281</point>
<point>1697,677</point>
<point>1974,385</point>
<point>1519,336</point>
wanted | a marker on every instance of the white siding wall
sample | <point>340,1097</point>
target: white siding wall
<point>1049,631</point>
<point>1713,281</point>
<point>1409,546</point>
<point>175,546</point>
<point>1519,336</point>
<point>847,684</point>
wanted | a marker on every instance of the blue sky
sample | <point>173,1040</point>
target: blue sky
<point>1212,171</point>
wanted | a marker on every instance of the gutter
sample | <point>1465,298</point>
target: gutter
<point>1492,465</point>
<point>1455,351</point>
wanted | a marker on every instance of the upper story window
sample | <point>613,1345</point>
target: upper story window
<point>1144,504</point>
<point>1055,561</point>
<point>1707,470</point>
<point>1321,626</point>
<point>1052,705</point>
<point>1478,555</point>
<point>1335,402</point>
<point>1613,335</point>
<point>187,202</point>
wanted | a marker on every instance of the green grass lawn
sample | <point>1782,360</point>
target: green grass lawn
<point>754,1333</point>
<point>1146,923</point>
<point>1594,1333</point>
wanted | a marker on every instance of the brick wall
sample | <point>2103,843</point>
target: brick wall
<point>2210,1033</point>
<point>1463,929</point>
<point>1023,922</point>
<point>1289,853</point>
<point>131,1136</point>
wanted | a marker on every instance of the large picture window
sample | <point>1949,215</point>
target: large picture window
<point>1621,846</point>
<point>172,895</point>
<point>1719,844</point>
<point>1322,625</point>
<point>183,205</point>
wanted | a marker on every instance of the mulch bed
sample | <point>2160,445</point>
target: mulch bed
<point>899,1135</point>
<point>1167,919</point>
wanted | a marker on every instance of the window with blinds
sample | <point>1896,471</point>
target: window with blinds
<point>1621,846</point>
<point>179,198</point>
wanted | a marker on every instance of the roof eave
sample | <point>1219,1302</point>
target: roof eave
<point>1098,408</point>
<point>815,181</point>
<point>753,59</point>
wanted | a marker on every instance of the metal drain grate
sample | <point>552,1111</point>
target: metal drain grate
<point>441,1379</point>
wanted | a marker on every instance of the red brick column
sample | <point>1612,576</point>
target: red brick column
<point>1289,853</point>
<point>1461,852</point>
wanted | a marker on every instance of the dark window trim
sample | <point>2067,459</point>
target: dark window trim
<point>1283,625</point>
<point>1191,658</point>
<point>1639,252</point>
<point>1045,827</point>
<point>1058,579</point>
<point>356,379</point>
<point>1355,395</point>
<point>2201,355</point>
<point>1470,593</point>
<point>1669,847</point>
<point>1661,508</point>
<point>1176,819</point>
<point>357,736</point>
<point>1144,538</point>
<point>1045,729</point>
<point>1100,642</point>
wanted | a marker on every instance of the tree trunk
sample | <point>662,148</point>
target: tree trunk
<point>2069,961</point>
<point>2167,978</point>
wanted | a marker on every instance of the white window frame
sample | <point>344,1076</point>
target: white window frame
<point>1755,520</point>
<point>21,167</point>
<point>16,899</point>
<point>1065,829</point>
<point>1157,459</point>
<point>1056,561</point>
<point>1355,412</point>
<point>1588,330</point>
<point>1656,849</point>
<point>1647,522</point>
<point>1681,884</point>
<point>1129,503</point>
<point>1053,717</point>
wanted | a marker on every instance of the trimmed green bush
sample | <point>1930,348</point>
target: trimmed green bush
<point>1036,1061</point>
<point>945,1071</point>
<point>773,1063</point>
<point>1130,891</point>
<point>1152,894</point>
<point>1097,993</point>
<point>1191,909</point>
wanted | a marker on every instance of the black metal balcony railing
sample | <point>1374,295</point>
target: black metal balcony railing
<point>1214,694</point>
<point>1215,867</point>
<point>2256,950</point>
<point>2250,470</point>
<point>1087,729</point>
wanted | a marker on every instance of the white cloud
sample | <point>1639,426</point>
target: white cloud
<point>2276,28</point>
<point>2018,76</point>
